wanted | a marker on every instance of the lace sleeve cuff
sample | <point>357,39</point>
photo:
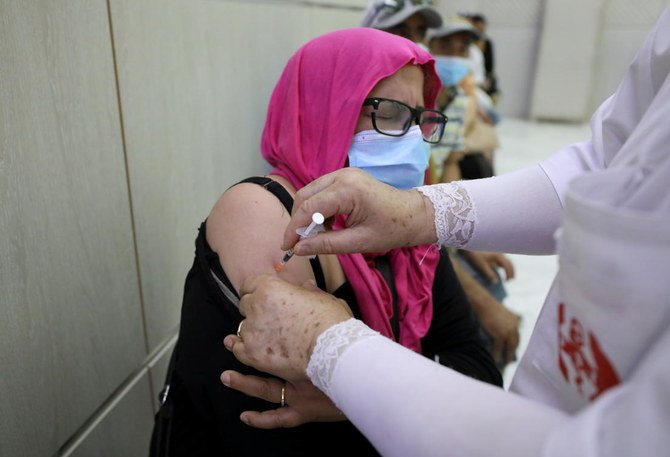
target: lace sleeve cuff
<point>330,345</point>
<point>455,217</point>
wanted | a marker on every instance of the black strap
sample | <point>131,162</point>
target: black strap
<point>274,187</point>
<point>384,266</point>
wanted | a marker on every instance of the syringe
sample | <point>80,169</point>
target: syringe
<point>312,229</point>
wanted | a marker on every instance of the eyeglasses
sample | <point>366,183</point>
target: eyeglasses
<point>394,118</point>
<point>396,5</point>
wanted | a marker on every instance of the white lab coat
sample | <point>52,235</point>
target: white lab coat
<point>595,380</point>
<point>614,247</point>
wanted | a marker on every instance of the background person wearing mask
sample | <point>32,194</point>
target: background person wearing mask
<point>413,20</point>
<point>468,145</point>
<point>450,45</point>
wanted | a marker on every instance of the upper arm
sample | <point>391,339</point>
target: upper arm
<point>245,228</point>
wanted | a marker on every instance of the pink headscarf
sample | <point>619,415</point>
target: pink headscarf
<point>308,131</point>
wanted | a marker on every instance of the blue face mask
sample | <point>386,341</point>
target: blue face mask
<point>400,162</point>
<point>452,70</point>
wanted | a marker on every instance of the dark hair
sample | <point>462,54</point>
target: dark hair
<point>477,18</point>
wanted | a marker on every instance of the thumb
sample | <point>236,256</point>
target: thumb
<point>497,349</point>
<point>343,241</point>
<point>489,273</point>
<point>310,284</point>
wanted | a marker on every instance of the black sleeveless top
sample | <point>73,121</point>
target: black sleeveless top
<point>206,413</point>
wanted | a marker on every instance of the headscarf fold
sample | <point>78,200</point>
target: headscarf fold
<point>310,124</point>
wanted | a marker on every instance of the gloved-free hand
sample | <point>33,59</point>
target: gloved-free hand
<point>379,217</point>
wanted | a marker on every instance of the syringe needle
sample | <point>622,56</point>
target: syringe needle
<point>317,221</point>
<point>280,266</point>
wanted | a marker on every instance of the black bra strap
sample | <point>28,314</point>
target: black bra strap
<point>285,198</point>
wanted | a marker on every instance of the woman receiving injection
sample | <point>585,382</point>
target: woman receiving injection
<point>376,117</point>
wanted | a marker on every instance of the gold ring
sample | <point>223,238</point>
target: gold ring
<point>239,330</point>
<point>283,396</point>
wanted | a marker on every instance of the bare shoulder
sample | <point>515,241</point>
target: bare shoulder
<point>245,228</point>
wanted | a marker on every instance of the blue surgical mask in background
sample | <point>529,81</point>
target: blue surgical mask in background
<point>400,162</point>
<point>451,69</point>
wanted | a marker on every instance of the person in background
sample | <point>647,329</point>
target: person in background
<point>409,19</point>
<point>476,55</point>
<point>457,101</point>
<point>486,45</point>
<point>467,147</point>
<point>413,20</point>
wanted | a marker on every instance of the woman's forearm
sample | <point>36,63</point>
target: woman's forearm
<point>421,408</point>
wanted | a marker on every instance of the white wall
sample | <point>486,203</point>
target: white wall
<point>517,28</point>
<point>568,47</point>
<point>624,26</point>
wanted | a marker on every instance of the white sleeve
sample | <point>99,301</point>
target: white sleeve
<point>516,212</point>
<point>520,211</point>
<point>406,404</point>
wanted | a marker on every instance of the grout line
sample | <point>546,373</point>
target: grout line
<point>128,183</point>
<point>119,393</point>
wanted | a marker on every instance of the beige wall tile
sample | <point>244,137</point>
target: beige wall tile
<point>195,84</point>
<point>71,327</point>
<point>126,430</point>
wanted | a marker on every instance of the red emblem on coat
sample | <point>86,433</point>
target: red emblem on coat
<point>581,360</point>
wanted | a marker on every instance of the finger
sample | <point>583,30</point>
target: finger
<point>230,340</point>
<point>237,347</point>
<point>330,202</point>
<point>510,354</point>
<point>507,266</point>
<point>489,273</point>
<point>268,389</point>
<point>310,284</point>
<point>352,239</point>
<point>313,188</point>
<point>248,289</point>
<point>301,214</point>
<point>252,283</point>
<point>511,345</point>
<point>275,418</point>
<point>496,351</point>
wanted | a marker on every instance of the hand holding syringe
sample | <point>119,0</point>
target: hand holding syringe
<point>315,227</point>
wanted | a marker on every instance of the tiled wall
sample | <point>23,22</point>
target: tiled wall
<point>121,122</point>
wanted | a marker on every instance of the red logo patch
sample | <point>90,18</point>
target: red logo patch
<point>581,359</point>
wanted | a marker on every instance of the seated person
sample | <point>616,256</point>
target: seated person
<point>450,45</point>
<point>466,152</point>
<point>353,97</point>
<point>485,43</point>
<point>412,20</point>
